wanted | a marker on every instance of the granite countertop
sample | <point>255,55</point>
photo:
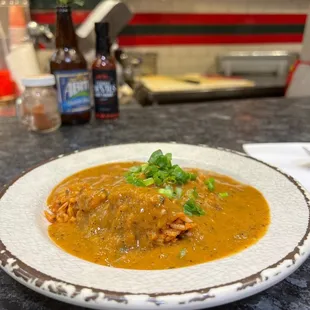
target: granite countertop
<point>226,124</point>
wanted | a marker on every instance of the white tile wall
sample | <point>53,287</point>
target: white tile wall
<point>201,59</point>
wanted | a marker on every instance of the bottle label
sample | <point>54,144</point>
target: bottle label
<point>73,90</point>
<point>105,93</point>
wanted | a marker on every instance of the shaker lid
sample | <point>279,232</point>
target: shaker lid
<point>39,80</point>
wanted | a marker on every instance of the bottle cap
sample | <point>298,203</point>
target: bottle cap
<point>102,29</point>
<point>39,80</point>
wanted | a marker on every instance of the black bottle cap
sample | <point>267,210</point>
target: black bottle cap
<point>102,29</point>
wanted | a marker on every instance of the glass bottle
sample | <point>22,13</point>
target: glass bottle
<point>104,76</point>
<point>37,108</point>
<point>70,69</point>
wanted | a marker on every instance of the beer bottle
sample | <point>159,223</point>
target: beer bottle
<point>70,69</point>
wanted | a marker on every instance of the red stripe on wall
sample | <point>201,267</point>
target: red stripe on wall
<point>217,19</point>
<point>48,17</point>
<point>209,39</point>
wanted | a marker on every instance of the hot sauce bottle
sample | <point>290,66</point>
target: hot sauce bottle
<point>104,76</point>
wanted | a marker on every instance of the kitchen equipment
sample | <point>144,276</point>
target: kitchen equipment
<point>40,34</point>
<point>194,87</point>
<point>22,61</point>
<point>136,64</point>
<point>299,79</point>
<point>158,83</point>
<point>4,34</point>
<point>4,50</point>
<point>18,18</point>
<point>7,89</point>
<point>143,63</point>
<point>8,94</point>
<point>257,62</point>
<point>114,12</point>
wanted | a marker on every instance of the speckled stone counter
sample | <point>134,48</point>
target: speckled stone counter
<point>227,124</point>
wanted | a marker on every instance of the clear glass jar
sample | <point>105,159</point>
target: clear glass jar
<point>37,108</point>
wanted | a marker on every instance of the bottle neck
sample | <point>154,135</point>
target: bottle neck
<point>103,47</point>
<point>65,32</point>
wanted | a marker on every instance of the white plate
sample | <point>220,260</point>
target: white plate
<point>28,255</point>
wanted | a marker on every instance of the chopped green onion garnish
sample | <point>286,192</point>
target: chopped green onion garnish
<point>192,176</point>
<point>154,157</point>
<point>211,184</point>
<point>169,156</point>
<point>148,182</point>
<point>192,193</point>
<point>159,167</point>
<point>178,192</point>
<point>223,195</point>
<point>134,180</point>
<point>192,208</point>
<point>168,192</point>
<point>135,169</point>
<point>179,174</point>
<point>143,167</point>
<point>183,252</point>
<point>160,160</point>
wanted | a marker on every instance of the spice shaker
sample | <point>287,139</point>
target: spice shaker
<point>38,105</point>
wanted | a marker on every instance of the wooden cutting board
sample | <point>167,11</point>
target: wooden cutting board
<point>161,83</point>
